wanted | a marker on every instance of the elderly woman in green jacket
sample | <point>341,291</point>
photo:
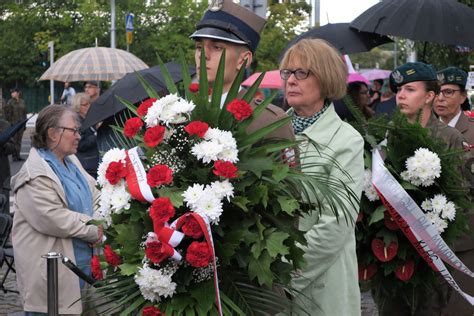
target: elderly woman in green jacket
<point>314,75</point>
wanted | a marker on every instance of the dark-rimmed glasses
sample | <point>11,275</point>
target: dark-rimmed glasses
<point>300,74</point>
<point>447,93</point>
<point>76,130</point>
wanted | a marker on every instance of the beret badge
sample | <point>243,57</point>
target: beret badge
<point>397,77</point>
<point>215,5</point>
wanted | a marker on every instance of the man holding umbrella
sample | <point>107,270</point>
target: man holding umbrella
<point>231,27</point>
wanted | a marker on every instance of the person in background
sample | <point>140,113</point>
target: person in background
<point>359,93</point>
<point>6,149</point>
<point>376,92</point>
<point>449,105</point>
<point>68,94</point>
<point>228,26</point>
<point>314,75</point>
<point>92,89</point>
<point>387,104</point>
<point>15,111</point>
<point>87,151</point>
<point>416,86</point>
<point>53,199</point>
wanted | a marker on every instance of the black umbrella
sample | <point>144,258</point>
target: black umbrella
<point>446,22</point>
<point>11,131</point>
<point>130,88</point>
<point>343,38</point>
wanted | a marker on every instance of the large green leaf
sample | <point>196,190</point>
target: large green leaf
<point>260,269</point>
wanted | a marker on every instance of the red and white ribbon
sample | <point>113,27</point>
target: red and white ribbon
<point>203,222</point>
<point>414,224</point>
<point>136,177</point>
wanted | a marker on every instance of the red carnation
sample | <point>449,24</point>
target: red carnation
<point>144,106</point>
<point>161,210</point>
<point>95,268</point>
<point>194,87</point>
<point>389,221</point>
<point>191,228</point>
<point>405,271</point>
<point>382,252</point>
<point>158,175</point>
<point>156,251</point>
<point>111,256</point>
<point>225,169</point>
<point>115,172</point>
<point>154,135</point>
<point>198,254</point>
<point>197,128</point>
<point>152,311</point>
<point>132,126</point>
<point>367,272</point>
<point>240,109</point>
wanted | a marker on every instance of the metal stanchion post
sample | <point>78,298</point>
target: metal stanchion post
<point>52,275</point>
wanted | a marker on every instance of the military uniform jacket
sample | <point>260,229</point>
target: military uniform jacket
<point>271,114</point>
<point>15,110</point>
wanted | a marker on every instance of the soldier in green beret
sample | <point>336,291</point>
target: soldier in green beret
<point>14,111</point>
<point>449,105</point>
<point>416,87</point>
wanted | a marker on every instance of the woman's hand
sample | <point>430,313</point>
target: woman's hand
<point>100,231</point>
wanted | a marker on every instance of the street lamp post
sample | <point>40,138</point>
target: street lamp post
<point>112,22</point>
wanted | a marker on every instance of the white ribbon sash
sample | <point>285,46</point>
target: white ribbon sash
<point>413,222</point>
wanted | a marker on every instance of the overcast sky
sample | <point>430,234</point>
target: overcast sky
<point>343,10</point>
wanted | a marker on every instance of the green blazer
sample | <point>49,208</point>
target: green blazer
<point>328,284</point>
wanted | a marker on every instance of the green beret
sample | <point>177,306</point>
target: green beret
<point>410,72</point>
<point>452,75</point>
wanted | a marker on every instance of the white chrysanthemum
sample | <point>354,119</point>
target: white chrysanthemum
<point>368,188</point>
<point>437,222</point>
<point>207,151</point>
<point>449,211</point>
<point>169,109</point>
<point>217,145</point>
<point>438,203</point>
<point>114,154</point>
<point>183,106</point>
<point>154,284</point>
<point>209,205</point>
<point>120,198</point>
<point>222,189</point>
<point>422,168</point>
<point>426,205</point>
<point>193,194</point>
<point>228,154</point>
<point>212,133</point>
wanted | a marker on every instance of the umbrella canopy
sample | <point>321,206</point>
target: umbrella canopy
<point>374,74</point>
<point>130,88</point>
<point>446,22</point>
<point>94,63</point>
<point>271,80</point>
<point>355,77</point>
<point>343,38</point>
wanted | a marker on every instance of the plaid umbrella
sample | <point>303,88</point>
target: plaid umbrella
<point>94,63</point>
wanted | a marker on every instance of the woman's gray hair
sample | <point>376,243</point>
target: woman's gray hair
<point>78,99</point>
<point>49,117</point>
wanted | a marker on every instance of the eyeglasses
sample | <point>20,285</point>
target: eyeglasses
<point>300,74</point>
<point>76,130</point>
<point>448,92</point>
<point>365,92</point>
